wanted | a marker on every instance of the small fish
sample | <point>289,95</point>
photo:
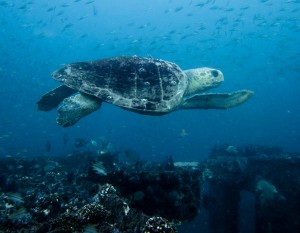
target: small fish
<point>99,169</point>
<point>95,12</point>
<point>229,9</point>
<point>18,214</point>
<point>50,166</point>
<point>3,3</point>
<point>83,36</point>
<point>23,7</point>
<point>4,136</point>
<point>94,143</point>
<point>214,8</point>
<point>80,142</point>
<point>15,197</point>
<point>90,229</point>
<point>183,134</point>
<point>60,13</point>
<point>177,9</point>
<point>67,26</point>
<point>244,7</point>
<point>89,2</point>
<point>51,9</point>
<point>200,5</point>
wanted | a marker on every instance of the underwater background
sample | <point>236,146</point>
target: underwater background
<point>255,43</point>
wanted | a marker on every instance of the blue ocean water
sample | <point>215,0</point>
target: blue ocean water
<point>254,43</point>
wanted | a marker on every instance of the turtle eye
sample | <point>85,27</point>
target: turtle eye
<point>215,73</point>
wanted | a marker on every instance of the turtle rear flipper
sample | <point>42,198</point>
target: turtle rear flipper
<point>75,107</point>
<point>217,100</point>
<point>53,98</point>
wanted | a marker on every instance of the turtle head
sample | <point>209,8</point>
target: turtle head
<point>202,79</point>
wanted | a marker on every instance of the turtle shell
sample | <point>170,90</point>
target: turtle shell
<point>139,84</point>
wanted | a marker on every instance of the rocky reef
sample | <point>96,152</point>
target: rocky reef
<point>250,187</point>
<point>264,179</point>
<point>87,193</point>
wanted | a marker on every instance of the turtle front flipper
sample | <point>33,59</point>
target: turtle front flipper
<point>75,107</point>
<point>217,100</point>
<point>53,98</point>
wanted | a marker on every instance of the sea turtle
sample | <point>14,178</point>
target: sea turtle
<point>139,84</point>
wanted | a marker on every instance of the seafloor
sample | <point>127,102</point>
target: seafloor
<point>94,192</point>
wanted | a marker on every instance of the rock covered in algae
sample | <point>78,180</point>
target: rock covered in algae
<point>158,225</point>
<point>64,198</point>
